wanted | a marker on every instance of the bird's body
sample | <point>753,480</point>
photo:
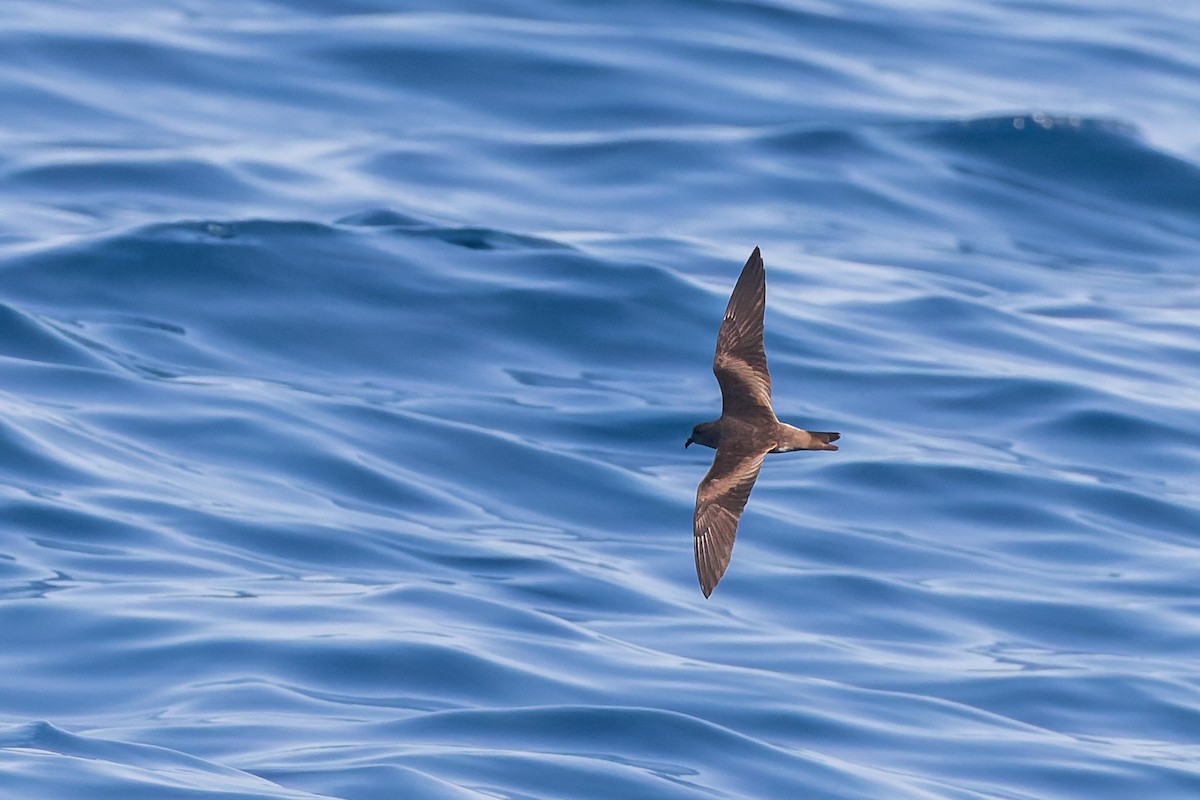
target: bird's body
<point>747,429</point>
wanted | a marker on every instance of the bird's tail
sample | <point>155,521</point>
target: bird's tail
<point>825,437</point>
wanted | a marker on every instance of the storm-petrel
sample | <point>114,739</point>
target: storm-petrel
<point>747,429</point>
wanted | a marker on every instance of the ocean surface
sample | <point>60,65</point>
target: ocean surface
<point>348,350</point>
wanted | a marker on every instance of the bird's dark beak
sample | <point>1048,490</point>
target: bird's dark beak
<point>688,442</point>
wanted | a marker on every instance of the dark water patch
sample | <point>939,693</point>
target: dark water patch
<point>111,176</point>
<point>472,238</point>
<point>1068,155</point>
<point>382,218</point>
<point>649,741</point>
<point>24,337</point>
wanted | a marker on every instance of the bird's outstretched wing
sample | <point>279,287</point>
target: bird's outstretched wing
<point>720,499</point>
<point>740,362</point>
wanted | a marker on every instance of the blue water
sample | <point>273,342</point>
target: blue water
<point>347,352</point>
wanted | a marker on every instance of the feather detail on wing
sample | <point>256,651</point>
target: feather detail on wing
<point>720,499</point>
<point>740,361</point>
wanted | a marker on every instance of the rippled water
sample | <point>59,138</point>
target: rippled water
<point>347,354</point>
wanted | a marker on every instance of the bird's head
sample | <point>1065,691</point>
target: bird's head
<point>706,433</point>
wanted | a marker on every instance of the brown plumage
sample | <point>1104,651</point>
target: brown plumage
<point>747,429</point>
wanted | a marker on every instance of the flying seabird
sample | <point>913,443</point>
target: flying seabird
<point>747,429</point>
